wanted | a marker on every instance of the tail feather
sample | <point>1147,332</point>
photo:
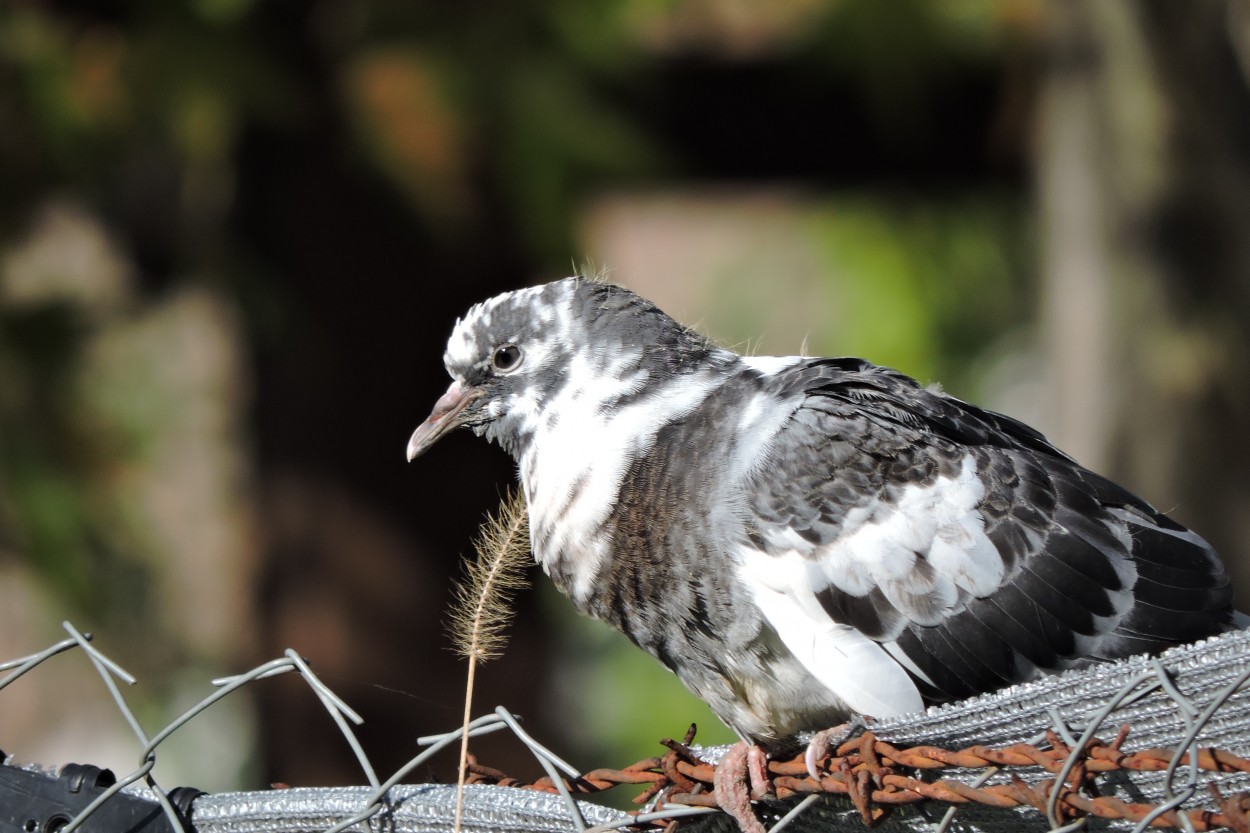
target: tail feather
<point>1182,593</point>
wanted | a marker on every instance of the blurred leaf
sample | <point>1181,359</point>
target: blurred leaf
<point>69,80</point>
<point>223,11</point>
<point>557,133</point>
<point>897,54</point>
<point>591,34</point>
<point>929,285</point>
<point>401,104</point>
<point>42,499</point>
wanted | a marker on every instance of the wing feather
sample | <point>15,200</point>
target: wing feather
<point>962,539</point>
<point>857,668</point>
<point>1015,620</point>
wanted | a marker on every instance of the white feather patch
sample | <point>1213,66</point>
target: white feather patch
<point>879,543</point>
<point>852,666</point>
<point>593,449</point>
<point>879,548</point>
<point>770,365</point>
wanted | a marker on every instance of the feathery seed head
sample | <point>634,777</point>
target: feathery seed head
<point>483,607</point>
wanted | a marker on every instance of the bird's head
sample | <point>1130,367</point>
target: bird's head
<point>504,357</point>
<point>514,354</point>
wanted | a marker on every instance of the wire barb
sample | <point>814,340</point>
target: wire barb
<point>877,776</point>
<point>1061,772</point>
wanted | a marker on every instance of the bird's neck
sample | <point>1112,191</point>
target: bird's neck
<point>686,435</point>
<point>573,467</point>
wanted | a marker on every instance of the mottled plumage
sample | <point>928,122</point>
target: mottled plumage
<point>803,539</point>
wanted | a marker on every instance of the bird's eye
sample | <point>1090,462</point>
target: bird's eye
<point>507,357</point>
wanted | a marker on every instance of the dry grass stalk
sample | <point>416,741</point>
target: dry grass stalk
<point>483,603</point>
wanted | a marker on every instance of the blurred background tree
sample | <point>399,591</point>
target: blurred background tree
<point>234,236</point>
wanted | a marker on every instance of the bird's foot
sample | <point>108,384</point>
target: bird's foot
<point>830,739</point>
<point>741,775</point>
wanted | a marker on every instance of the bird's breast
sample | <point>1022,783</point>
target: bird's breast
<point>590,444</point>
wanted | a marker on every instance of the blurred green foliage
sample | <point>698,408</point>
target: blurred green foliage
<point>950,273</point>
<point>491,128</point>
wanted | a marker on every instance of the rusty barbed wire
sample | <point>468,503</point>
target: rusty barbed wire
<point>877,776</point>
<point>1061,772</point>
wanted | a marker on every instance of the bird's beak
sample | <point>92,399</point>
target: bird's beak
<point>448,414</point>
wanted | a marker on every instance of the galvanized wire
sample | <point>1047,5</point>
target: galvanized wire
<point>379,798</point>
<point>1035,747</point>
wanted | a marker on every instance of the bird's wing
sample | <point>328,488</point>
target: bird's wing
<point>959,541</point>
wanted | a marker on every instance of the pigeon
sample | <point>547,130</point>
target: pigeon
<point>803,540</point>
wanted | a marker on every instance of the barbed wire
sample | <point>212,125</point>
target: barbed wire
<point>1060,772</point>
<point>875,775</point>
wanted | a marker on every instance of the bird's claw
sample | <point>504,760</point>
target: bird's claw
<point>743,764</point>
<point>822,742</point>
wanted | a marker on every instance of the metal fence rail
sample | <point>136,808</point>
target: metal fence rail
<point>1078,749</point>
